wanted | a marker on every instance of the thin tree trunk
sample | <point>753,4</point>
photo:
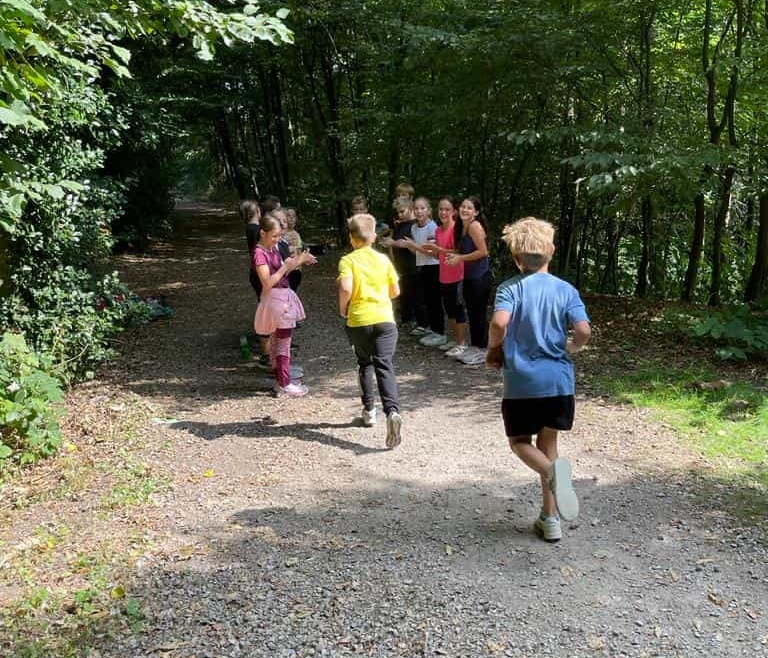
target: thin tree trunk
<point>231,164</point>
<point>718,237</point>
<point>757,286</point>
<point>696,251</point>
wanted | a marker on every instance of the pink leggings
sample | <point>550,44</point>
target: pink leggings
<point>280,351</point>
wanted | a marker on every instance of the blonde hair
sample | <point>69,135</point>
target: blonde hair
<point>426,202</point>
<point>362,227</point>
<point>531,241</point>
<point>402,202</point>
<point>405,189</point>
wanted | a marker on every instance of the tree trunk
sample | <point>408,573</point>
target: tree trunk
<point>567,219</point>
<point>718,237</point>
<point>231,165</point>
<point>696,251</point>
<point>757,286</point>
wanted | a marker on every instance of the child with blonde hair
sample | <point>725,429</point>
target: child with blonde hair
<point>528,338</point>
<point>367,283</point>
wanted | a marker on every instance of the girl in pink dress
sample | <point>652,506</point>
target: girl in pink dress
<point>279,308</point>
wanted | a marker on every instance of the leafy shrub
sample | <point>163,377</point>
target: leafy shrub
<point>738,332</point>
<point>30,404</point>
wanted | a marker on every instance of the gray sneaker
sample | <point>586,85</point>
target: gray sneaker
<point>562,488</point>
<point>394,424</point>
<point>548,528</point>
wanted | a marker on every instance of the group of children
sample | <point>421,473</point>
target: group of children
<point>438,271</point>
<point>444,272</point>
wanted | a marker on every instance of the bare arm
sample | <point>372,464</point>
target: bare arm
<point>345,294</point>
<point>581,333</point>
<point>478,236</point>
<point>496,332</point>
<point>269,281</point>
<point>394,290</point>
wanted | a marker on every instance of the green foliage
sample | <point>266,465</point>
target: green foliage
<point>726,421</point>
<point>737,332</point>
<point>82,164</point>
<point>30,404</point>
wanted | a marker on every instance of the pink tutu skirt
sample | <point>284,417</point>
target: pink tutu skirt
<point>279,308</point>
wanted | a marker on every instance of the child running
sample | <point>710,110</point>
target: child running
<point>280,307</point>
<point>367,283</point>
<point>529,339</point>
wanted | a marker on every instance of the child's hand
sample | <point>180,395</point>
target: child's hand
<point>571,347</point>
<point>387,241</point>
<point>307,258</point>
<point>494,357</point>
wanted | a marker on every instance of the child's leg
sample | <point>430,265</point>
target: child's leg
<point>546,442</point>
<point>361,340</point>
<point>539,457</point>
<point>433,299</point>
<point>280,351</point>
<point>418,293</point>
<point>382,358</point>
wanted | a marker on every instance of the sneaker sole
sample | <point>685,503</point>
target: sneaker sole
<point>394,426</point>
<point>562,488</point>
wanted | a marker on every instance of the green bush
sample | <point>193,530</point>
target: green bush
<point>30,404</point>
<point>737,332</point>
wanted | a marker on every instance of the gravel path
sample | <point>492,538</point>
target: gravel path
<point>288,530</point>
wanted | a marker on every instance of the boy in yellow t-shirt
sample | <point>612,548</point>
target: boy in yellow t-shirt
<point>367,284</point>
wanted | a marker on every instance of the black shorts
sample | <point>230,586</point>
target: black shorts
<point>526,416</point>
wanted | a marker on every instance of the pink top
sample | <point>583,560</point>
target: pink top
<point>448,273</point>
<point>272,260</point>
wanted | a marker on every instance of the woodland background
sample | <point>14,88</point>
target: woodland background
<point>639,129</point>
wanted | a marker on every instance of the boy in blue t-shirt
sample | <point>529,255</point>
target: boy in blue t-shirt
<point>528,338</point>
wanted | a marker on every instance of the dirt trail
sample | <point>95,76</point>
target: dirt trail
<point>288,529</point>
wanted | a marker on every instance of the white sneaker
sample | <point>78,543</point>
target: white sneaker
<point>456,351</point>
<point>369,417</point>
<point>561,485</point>
<point>447,345</point>
<point>474,356</point>
<point>433,340</point>
<point>419,331</point>
<point>292,390</point>
<point>394,424</point>
<point>548,528</point>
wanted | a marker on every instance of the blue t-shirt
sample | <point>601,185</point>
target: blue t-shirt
<point>542,307</point>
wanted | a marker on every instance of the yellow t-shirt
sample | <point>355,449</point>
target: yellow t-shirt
<point>372,273</point>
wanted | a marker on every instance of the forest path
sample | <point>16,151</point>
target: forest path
<point>288,530</point>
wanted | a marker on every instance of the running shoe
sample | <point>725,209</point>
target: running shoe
<point>292,390</point>
<point>394,425</point>
<point>433,340</point>
<point>548,528</point>
<point>474,356</point>
<point>456,351</point>
<point>561,485</point>
<point>369,417</point>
